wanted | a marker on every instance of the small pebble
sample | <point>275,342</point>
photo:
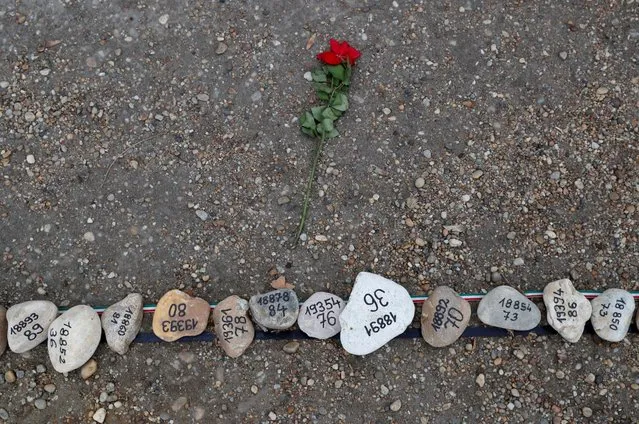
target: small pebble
<point>518,262</point>
<point>10,376</point>
<point>164,19</point>
<point>480,380</point>
<point>89,369</point>
<point>30,159</point>
<point>420,182</point>
<point>396,406</point>
<point>203,97</point>
<point>40,403</point>
<point>221,48</point>
<point>291,347</point>
<point>49,388</point>
<point>202,214</point>
<point>587,412</point>
<point>100,415</point>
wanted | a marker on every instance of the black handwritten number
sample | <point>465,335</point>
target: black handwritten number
<point>380,323</point>
<point>64,332</point>
<point>377,301</point>
<point>620,305</point>
<point>286,296</point>
<point>179,310</point>
<point>602,312</point>
<point>281,309</point>
<point>115,317</point>
<point>240,320</point>
<point>271,310</point>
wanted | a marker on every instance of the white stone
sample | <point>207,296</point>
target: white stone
<point>163,19</point>
<point>30,159</point>
<point>319,315</point>
<point>73,338</point>
<point>100,415</point>
<point>378,310</point>
<point>121,322</point>
<point>612,313</point>
<point>28,324</point>
<point>567,309</point>
<point>505,307</point>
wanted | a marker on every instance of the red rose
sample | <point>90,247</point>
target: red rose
<point>339,52</point>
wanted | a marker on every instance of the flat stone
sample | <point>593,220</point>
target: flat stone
<point>73,338</point>
<point>121,322</point>
<point>3,330</point>
<point>505,307</point>
<point>567,309</point>
<point>178,315</point>
<point>275,310</point>
<point>233,327</point>
<point>445,316</point>
<point>319,315</point>
<point>612,313</point>
<point>377,311</point>
<point>28,324</point>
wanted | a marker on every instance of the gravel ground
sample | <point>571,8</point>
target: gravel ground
<point>146,146</point>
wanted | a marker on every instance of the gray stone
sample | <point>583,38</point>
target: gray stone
<point>3,330</point>
<point>567,309</point>
<point>73,338</point>
<point>233,327</point>
<point>275,310</point>
<point>319,315</point>
<point>121,322</point>
<point>612,313</point>
<point>505,307</point>
<point>28,324</point>
<point>40,403</point>
<point>445,316</point>
<point>377,311</point>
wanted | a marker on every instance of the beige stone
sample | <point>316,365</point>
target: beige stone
<point>233,327</point>
<point>178,315</point>
<point>445,316</point>
<point>3,330</point>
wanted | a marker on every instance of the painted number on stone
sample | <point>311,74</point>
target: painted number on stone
<point>380,323</point>
<point>176,325</point>
<point>273,298</point>
<point>620,304</point>
<point>563,309</point>
<point>452,315</point>
<point>62,341</point>
<point>512,306</point>
<point>32,333</point>
<point>124,323</point>
<point>375,300</point>
<point>324,311</point>
<point>232,327</point>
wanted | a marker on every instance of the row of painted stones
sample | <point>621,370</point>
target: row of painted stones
<point>378,311</point>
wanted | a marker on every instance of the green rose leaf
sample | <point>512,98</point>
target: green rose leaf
<point>337,71</point>
<point>319,75</point>
<point>317,112</point>
<point>321,87</point>
<point>340,102</point>
<point>307,121</point>
<point>329,113</point>
<point>327,125</point>
<point>309,131</point>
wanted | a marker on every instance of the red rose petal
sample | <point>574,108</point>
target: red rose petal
<point>329,58</point>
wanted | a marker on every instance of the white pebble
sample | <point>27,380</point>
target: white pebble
<point>164,19</point>
<point>518,262</point>
<point>30,159</point>
<point>420,182</point>
<point>88,236</point>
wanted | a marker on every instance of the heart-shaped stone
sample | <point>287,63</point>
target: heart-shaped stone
<point>378,310</point>
<point>233,327</point>
<point>178,315</point>
<point>505,307</point>
<point>567,309</point>
<point>121,322</point>
<point>28,324</point>
<point>612,313</point>
<point>445,316</point>
<point>319,315</point>
<point>73,338</point>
